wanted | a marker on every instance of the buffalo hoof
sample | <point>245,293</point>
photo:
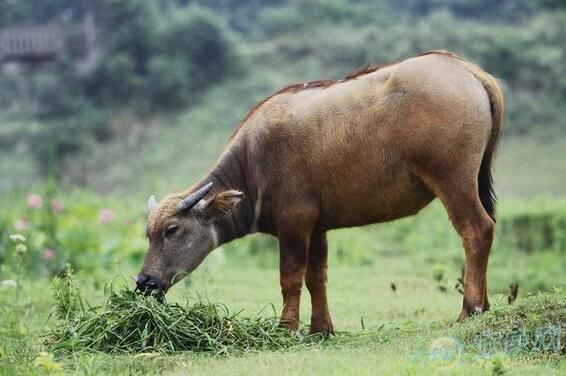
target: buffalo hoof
<point>322,327</point>
<point>466,313</point>
<point>291,324</point>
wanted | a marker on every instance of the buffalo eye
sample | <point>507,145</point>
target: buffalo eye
<point>171,230</point>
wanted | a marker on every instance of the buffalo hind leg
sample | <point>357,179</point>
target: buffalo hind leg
<point>316,284</point>
<point>479,237</point>
<point>476,228</point>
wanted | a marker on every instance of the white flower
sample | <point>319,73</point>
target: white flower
<point>18,238</point>
<point>9,283</point>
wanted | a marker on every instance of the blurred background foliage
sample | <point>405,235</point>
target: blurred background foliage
<point>162,58</point>
<point>168,80</point>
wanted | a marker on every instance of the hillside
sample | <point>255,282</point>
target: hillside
<point>173,152</point>
<point>159,108</point>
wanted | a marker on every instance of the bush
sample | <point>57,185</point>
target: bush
<point>194,53</point>
<point>159,59</point>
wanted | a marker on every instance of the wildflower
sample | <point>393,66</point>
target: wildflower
<point>106,216</point>
<point>48,254</point>
<point>21,248</point>
<point>35,201</point>
<point>21,224</point>
<point>57,206</point>
<point>9,283</point>
<point>18,238</point>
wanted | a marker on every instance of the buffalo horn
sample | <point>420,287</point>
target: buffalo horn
<point>192,199</point>
<point>151,203</point>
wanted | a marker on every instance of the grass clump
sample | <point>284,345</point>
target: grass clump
<point>532,325</point>
<point>67,295</point>
<point>130,323</point>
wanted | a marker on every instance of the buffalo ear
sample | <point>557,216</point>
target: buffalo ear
<point>221,204</point>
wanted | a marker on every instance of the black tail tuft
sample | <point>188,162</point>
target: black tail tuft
<point>496,102</point>
<point>485,186</point>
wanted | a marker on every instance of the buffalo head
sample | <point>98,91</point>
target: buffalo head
<point>182,230</point>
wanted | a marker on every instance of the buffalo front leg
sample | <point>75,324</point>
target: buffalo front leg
<point>316,283</point>
<point>293,250</point>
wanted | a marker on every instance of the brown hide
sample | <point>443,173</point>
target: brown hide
<point>374,147</point>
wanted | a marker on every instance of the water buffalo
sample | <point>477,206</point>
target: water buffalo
<point>376,146</point>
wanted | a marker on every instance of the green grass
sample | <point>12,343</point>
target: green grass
<point>399,327</point>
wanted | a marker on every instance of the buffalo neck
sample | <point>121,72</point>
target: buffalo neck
<point>231,172</point>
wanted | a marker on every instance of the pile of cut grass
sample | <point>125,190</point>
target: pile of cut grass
<point>130,323</point>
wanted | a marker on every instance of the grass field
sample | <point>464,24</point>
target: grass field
<point>379,331</point>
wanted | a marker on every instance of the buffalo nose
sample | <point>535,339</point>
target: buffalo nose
<point>146,283</point>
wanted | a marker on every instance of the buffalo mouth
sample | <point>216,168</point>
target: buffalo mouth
<point>157,293</point>
<point>152,288</point>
